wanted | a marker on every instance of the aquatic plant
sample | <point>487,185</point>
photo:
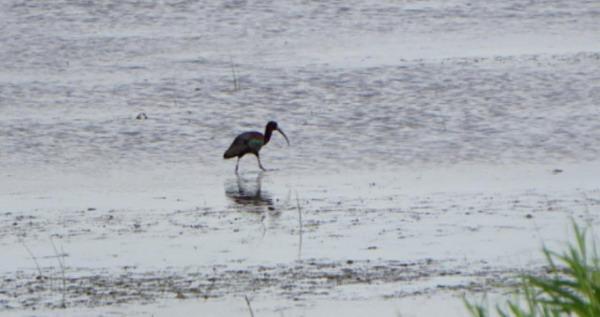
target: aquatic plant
<point>572,287</point>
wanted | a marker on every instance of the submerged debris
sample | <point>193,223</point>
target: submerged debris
<point>310,278</point>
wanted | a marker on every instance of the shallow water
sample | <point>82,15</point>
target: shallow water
<point>145,242</point>
<point>355,85</point>
<point>428,138</point>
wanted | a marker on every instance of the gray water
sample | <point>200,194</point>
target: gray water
<point>420,104</point>
<point>355,84</point>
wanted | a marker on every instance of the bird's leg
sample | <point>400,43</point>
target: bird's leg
<point>259,164</point>
<point>237,164</point>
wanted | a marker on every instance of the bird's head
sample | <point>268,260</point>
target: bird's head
<point>272,125</point>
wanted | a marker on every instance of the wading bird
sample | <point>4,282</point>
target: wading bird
<point>252,142</point>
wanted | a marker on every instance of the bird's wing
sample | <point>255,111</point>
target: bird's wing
<point>245,143</point>
<point>255,140</point>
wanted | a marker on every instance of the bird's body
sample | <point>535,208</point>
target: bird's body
<point>251,142</point>
<point>247,142</point>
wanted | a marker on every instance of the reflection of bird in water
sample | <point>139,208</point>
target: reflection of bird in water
<point>252,142</point>
<point>249,196</point>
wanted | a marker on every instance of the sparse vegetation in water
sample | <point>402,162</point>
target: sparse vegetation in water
<point>234,76</point>
<point>571,289</point>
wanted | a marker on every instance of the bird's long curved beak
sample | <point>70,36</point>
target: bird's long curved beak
<point>285,136</point>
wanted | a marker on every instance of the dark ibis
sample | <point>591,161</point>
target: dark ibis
<point>252,142</point>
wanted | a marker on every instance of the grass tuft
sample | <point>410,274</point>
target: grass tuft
<point>571,289</point>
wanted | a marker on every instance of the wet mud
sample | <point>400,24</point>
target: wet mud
<point>436,146</point>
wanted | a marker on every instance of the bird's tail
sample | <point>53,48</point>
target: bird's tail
<point>234,150</point>
<point>229,153</point>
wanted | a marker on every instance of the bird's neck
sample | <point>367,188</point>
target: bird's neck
<point>268,133</point>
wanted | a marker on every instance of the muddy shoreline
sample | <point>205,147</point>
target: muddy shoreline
<point>300,281</point>
<point>360,238</point>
